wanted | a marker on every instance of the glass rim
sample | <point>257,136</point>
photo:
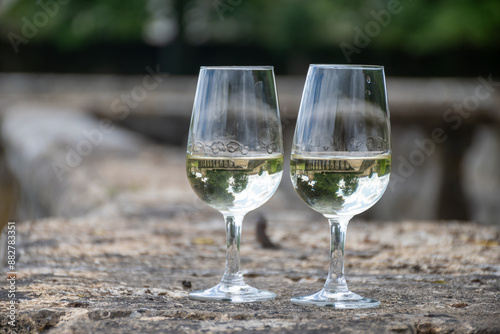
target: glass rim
<point>348,66</point>
<point>237,67</point>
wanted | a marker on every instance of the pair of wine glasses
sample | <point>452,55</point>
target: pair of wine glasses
<point>340,160</point>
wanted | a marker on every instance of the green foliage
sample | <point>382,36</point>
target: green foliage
<point>428,26</point>
<point>327,190</point>
<point>423,26</point>
<point>218,186</point>
<point>282,26</point>
<point>273,166</point>
<point>384,167</point>
<point>76,24</point>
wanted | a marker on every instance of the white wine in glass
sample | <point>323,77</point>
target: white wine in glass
<point>235,159</point>
<point>341,160</point>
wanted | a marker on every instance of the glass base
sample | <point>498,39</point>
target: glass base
<point>345,300</point>
<point>235,294</point>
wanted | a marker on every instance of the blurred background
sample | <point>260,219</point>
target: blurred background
<point>68,67</point>
<point>421,38</point>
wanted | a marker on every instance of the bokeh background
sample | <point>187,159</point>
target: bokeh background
<point>412,38</point>
<point>83,58</point>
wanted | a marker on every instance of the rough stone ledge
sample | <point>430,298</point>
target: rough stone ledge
<point>86,275</point>
<point>119,267</point>
<point>409,98</point>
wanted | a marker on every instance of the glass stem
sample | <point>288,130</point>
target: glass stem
<point>232,274</point>
<point>336,281</point>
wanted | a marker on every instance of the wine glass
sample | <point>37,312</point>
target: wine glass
<point>341,160</point>
<point>235,159</point>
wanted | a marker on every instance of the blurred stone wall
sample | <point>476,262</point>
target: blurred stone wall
<point>445,132</point>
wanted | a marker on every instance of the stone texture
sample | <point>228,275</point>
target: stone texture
<point>482,177</point>
<point>45,146</point>
<point>125,239</point>
<point>415,98</point>
<point>439,188</point>
<point>124,263</point>
<point>125,274</point>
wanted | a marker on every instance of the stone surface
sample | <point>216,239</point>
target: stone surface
<point>45,148</point>
<point>427,183</point>
<point>125,239</point>
<point>482,177</point>
<point>126,273</point>
<point>126,262</point>
<point>419,99</point>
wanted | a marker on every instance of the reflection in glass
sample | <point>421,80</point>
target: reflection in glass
<point>235,159</point>
<point>341,160</point>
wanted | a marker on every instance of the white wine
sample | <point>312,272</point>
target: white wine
<point>340,185</point>
<point>234,185</point>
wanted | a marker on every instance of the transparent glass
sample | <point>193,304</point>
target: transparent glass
<point>235,159</point>
<point>341,160</point>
